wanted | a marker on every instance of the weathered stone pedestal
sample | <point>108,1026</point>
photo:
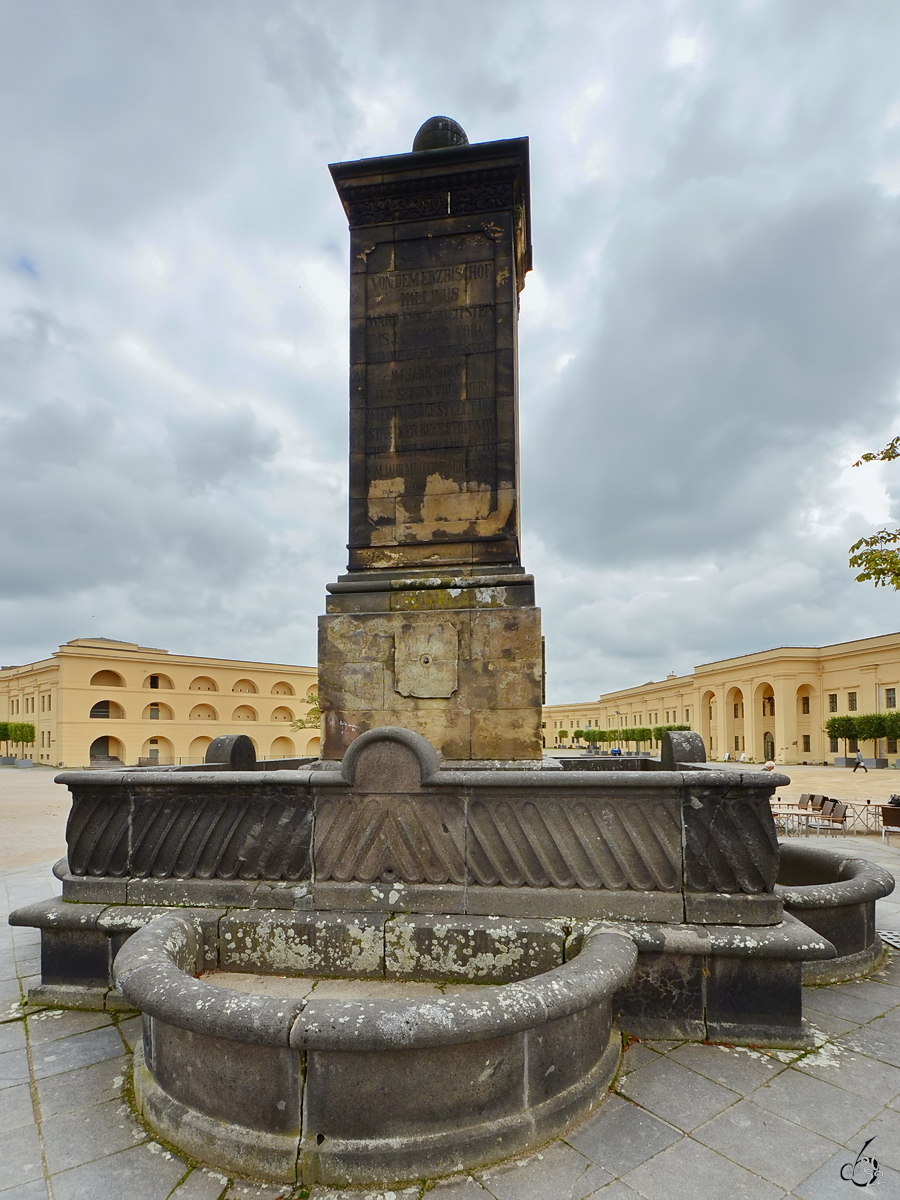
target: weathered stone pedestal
<point>455,657</point>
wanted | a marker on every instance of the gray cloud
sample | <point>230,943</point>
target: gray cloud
<point>710,337</point>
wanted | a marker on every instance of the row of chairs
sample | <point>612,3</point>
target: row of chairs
<point>830,815</point>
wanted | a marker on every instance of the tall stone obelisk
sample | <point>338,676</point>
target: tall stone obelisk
<point>434,627</point>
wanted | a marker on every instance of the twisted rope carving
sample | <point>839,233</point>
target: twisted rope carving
<point>730,844</point>
<point>390,839</point>
<point>585,843</point>
<point>144,833</point>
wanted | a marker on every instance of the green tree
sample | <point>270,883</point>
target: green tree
<point>563,733</point>
<point>21,733</point>
<point>4,733</point>
<point>312,718</point>
<point>659,730</point>
<point>870,727</point>
<point>877,557</point>
<point>841,727</point>
<point>578,734</point>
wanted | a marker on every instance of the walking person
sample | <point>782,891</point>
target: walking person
<point>859,763</point>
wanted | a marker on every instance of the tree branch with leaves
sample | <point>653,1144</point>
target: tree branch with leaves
<point>312,718</point>
<point>877,557</point>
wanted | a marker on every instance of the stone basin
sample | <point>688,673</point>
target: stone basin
<point>348,1082</point>
<point>834,893</point>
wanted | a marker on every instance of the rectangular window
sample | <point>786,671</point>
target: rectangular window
<point>154,681</point>
<point>834,745</point>
<point>851,701</point>
<point>806,743</point>
<point>49,703</point>
<point>804,706</point>
<point>890,697</point>
<point>832,701</point>
<point>154,712</point>
<point>852,745</point>
<point>892,745</point>
<point>737,709</point>
<point>737,742</point>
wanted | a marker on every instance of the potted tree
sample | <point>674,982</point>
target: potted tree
<point>6,759</point>
<point>869,728</point>
<point>22,734</point>
<point>843,728</point>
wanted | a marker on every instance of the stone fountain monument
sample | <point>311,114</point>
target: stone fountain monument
<point>415,955</point>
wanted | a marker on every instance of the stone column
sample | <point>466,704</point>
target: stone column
<point>434,626</point>
<point>785,717</point>
<point>752,718</point>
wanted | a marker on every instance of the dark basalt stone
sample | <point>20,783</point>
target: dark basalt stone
<point>234,750</point>
<point>438,132</point>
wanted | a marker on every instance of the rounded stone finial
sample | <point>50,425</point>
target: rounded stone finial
<point>438,132</point>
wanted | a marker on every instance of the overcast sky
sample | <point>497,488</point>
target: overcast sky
<point>710,337</point>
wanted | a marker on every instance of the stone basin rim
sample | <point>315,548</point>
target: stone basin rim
<point>863,880</point>
<point>445,777</point>
<point>152,972</point>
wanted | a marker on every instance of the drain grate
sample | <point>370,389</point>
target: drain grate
<point>891,937</point>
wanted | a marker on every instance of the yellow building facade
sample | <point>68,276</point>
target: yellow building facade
<point>769,705</point>
<point>95,699</point>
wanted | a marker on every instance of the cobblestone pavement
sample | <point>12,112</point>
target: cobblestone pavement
<point>686,1120</point>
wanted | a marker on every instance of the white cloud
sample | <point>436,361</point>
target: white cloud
<point>684,51</point>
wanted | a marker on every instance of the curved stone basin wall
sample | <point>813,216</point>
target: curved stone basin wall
<point>349,1091</point>
<point>834,894</point>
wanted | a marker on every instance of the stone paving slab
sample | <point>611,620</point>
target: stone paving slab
<point>703,1122</point>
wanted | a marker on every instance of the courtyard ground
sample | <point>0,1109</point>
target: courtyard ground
<point>685,1121</point>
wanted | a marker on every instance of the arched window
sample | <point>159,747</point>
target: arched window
<point>107,679</point>
<point>199,747</point>
<point>203,683</point>
<point>282,714</point>
<point>244,713</point>
<point>282,747</point>
<point>107,709</point>
<point>282,689</point>
<point>203,712</point>
<point>159,681</point>
<point>107,747</point>
<point>245,685</point>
